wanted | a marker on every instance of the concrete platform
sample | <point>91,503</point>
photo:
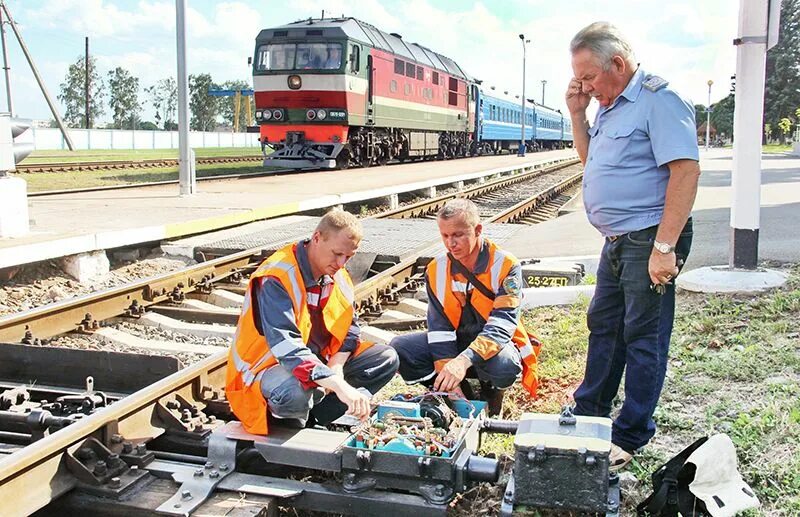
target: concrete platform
<point>74,223</point>
<point>779,240</point>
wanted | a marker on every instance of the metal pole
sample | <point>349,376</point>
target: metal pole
<point>35,71</point>
<point>6,68</point>
<point>187,180</point>
<point>86,85</point>
<point>521,151</point>
<point>544,82</point>
<point>751,58</point>
<point>708,114</point>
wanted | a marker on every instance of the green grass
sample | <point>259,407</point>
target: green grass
<point>776,148</point>
<point>734,368</point>
<point>58,156</point>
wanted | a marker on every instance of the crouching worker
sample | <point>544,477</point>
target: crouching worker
<point>297,353</point>
<point>473,315</point>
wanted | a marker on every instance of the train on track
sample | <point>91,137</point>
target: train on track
<point>331,93</point>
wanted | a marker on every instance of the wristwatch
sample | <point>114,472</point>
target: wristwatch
<point>663,247</point>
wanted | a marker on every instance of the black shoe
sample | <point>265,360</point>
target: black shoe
<point>493,397</point>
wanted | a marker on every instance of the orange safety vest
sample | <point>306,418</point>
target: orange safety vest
<point>447,291</point>
<point>250,356</point>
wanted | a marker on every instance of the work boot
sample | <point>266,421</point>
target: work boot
<point>493,397</point>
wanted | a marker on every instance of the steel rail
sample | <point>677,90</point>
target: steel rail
<point>32,477</point>
<point>523,208</point>
<point>128,164</point>
<point>429,206</point>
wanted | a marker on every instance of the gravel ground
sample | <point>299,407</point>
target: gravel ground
<point>43,283</point>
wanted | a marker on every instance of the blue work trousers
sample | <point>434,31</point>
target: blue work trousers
<point>629,325</point>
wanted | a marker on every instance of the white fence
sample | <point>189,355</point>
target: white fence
<point>51,138</point>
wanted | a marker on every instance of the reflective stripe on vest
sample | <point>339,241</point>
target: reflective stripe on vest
<point>500,264</point>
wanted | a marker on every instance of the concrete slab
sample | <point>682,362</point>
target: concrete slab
<point>200,330</point>
<point>85,267</point>
<point>80,222</point>
<point>413,307</point>
<point>376,335</point>
<point>225,299</point>
<point>117,337</point>
<point>542,296</point>
<point>722,279</point>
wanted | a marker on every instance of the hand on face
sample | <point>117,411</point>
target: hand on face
<point>577,99</point>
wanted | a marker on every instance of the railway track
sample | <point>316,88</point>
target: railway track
<point>129,164</point>
<point>114,444</point>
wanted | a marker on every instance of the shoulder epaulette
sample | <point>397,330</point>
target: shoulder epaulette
<point>654,83</point>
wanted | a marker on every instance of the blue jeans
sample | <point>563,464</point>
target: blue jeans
<point>629,324</point>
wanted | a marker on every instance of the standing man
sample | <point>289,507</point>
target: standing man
<point>639,185</point>
<point>298,337</point>
<point>474,320</point>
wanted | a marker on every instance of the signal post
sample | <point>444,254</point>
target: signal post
<point>13,191</point>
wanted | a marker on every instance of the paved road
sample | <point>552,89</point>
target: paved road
<point>780,217</point>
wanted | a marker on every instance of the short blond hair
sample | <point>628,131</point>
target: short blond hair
<point>461,207</point>
<point>338,220</point>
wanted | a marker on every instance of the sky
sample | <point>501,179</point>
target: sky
<point>687,42</point>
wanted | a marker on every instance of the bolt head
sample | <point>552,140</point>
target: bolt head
<point>198,473</point>
<point>116,438</point>
<point>186,494</point>
<point>223,467</point>
<point>214,474</point>
<point>127,447</point>
<point>209,465</point>
<point>115,482</point>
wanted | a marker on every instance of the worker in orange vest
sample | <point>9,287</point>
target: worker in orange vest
<point>474,292</point>
<point>297,354</point>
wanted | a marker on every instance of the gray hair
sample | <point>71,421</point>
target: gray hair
<point>461,207</point>
<point>604,41</point>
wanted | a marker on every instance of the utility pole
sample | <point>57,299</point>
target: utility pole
<point>86,85</point>
<point>38,77</point>
<point>544,82</point>
<point>6,68</point>
<point>185,160</point>
<point>708,114</point>
<point>521,151</point>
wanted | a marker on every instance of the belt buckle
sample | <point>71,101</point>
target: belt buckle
<point>612,238</point>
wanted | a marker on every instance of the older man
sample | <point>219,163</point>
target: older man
<point>473,314</point>
<point>298,336</point>
<point>640,181</point>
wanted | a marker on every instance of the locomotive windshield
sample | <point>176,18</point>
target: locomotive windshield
<point>300,56</point>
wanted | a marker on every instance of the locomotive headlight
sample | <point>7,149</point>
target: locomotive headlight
<point>277,114</point>
<point>295,82</point>
<point>321,114</point>
<point>266,115</point>
<point>311,114</point>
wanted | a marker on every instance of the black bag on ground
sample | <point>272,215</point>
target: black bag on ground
<point>671,493</point>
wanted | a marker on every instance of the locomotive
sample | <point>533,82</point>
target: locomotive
<point>331,93</point>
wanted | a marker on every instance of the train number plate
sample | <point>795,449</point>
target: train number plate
<point>546,281</point>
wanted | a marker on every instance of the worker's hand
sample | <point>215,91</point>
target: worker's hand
<point>662,267</point>
<point>577,99</point>
<point>357,403</point>
<point>452,374</point>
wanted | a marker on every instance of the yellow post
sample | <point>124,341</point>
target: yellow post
<point>249,113</point>
<point>237,102</point>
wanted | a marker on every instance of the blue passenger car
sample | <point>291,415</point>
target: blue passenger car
<point>499,125</point>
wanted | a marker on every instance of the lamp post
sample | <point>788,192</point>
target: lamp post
<point>708,113</point>
<point>522,116</point>
<point>544,82</point>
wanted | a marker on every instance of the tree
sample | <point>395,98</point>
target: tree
<point>699,115</point>
<point>204,107</point>
<point>227,105</point>
<point>768,131</point>
<point>785,125</point>
<point>782,91</point>
<point>148,126</point>
<point>73,94</point>
<point>722,117</point>
<point>164,98</point>
<point>123,98</point>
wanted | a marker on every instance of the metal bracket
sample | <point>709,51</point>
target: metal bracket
<point>196,489</point>
<point>750,40</point>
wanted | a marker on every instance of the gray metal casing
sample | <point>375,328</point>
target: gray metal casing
<point>560,465</point>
